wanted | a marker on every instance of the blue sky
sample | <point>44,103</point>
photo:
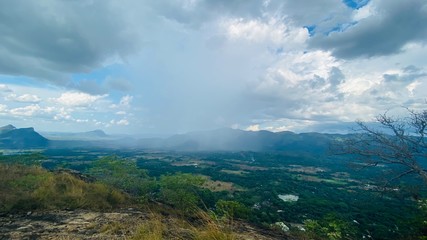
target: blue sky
<point>145,67</point>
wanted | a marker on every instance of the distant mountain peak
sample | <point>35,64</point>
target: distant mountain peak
<point>11,137</point>
<point>98,132</point>
<point>7,128</point>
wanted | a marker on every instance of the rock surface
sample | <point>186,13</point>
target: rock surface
<point>67,224</point>
<point>120,224</point>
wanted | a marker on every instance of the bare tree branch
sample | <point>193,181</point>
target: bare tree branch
<point>398,141</point>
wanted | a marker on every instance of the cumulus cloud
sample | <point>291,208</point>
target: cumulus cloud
<point>124,103</point>
<point>62,114</point>
<point>301,72</point>
<point>398,84</point>
<point>60,108</point>
<point>121,122</point>
<point>273,32</point>
<point>3,108</point>
<point>78,99</point>
<point>253,128</point>
<point>4,88</point>
<point>25,111</point>
<point>126,100</point>
<point>25,98</point>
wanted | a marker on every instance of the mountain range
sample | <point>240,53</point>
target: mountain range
<point>225,139</point>
<point>228,139</point>
<point>84,136</point>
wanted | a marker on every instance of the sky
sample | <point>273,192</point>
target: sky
<point>165,67</point>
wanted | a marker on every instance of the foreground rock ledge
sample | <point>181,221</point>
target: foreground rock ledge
<point>83,224</point>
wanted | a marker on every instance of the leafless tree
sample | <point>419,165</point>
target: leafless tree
<point>396,141</point>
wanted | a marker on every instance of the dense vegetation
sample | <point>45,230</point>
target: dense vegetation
<point>334,201</point>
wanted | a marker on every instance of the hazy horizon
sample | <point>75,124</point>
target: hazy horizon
<point>339,129</point>
<point>167,67</point>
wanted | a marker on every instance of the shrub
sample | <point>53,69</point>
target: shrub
<point>180,190</point>
<point>123,174</point>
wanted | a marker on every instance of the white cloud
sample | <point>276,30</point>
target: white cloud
<point>412,87</point>
<point>297,75</point>
<point>364,12</point>
<point>25,98</point>
<point>3,108</point>
<point>27,111</point>
<point>82,120</point>
<point>62,114</point>
<point>123,122</point>
<point>4,88</point>
<point>254,30</point>
<point>253,128</point>
<point>78,99</point>
<point>59,108</point>
<point>272,30</point>
<point>125,102</point>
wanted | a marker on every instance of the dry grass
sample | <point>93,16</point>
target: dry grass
<point>213,229</point>
<point>306,169</point>
<point>249,168</point>
<point>158,227</point>
<point>234,172</point>
<point>218,186</point>
<point>30,187</point>
<point>153,229</point>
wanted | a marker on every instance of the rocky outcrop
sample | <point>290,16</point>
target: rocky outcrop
<point>64,224</point>
<point>69,224</point>
<point>119,224</point>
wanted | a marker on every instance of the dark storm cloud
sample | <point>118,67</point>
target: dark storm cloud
<point>394,24</point>
<point>49,39</point>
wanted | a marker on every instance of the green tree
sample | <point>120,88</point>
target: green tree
<point>180,190</point>
<point>123,174</point>
<point>232,209</point>
<point>422,205</point>
<point>330,227</point>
